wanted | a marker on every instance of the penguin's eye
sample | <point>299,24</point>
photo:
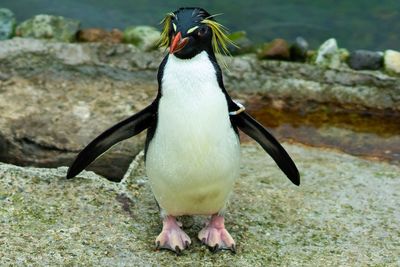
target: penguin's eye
<point>202,31</point>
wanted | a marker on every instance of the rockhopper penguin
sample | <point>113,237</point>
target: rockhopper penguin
<point>192,151</point>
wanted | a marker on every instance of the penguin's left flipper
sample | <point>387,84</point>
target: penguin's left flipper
<point>255,130</point>
<point>121,131</point>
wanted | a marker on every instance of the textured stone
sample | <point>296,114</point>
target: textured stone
<point>345,213</point>
<point>49,27</point>
<point>277,49</point>
<point>7,24</point>
<point>392,61</point>
<point>144,37</point>
<point>100,35</point>
<point>365,60</point>
<point>59,101</point>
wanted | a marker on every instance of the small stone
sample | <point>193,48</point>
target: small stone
<point>365,60</point>
<point>49,27</point>
<point>92,35</point>
<point>299,49</point>
<point>7,24</point>
<point>328,54</point>
<point>277,49</point>
<point>243,44</point>
<point>392,61</point>
<point>144,37</point>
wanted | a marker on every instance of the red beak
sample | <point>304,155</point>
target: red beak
<point>177,43</point>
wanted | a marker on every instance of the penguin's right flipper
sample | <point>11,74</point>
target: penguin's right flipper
<point>121,131</point>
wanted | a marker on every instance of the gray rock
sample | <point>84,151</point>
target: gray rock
<point>243,44</point>
<point>7,24</point>
<point>144,37</point>
<point>365,60</point>
<point>392,61</point>
<point>49,27</point>
<point>299,49</point>
<point>345,213</point>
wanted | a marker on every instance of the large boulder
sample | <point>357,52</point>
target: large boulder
<point>61,97</point>
<point>7,24</point>
<point>49,27</point>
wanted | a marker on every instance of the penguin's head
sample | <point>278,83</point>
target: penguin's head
<point>189,31</point>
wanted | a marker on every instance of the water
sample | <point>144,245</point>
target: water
<point>357,24</point>
<point>373,135</point>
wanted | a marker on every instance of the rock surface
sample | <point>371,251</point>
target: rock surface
<point>7,24</point>
<point>392,61</point>
<point>345,213</point>
<point>54,101</point>
<point>365,60</point>
<point>56,97</point>
<point>49,27</point>
<point>144,37</point>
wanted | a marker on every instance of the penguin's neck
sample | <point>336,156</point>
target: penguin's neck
<point>192,77</point>
<point>191,99</point>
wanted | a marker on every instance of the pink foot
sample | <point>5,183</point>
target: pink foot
<point>215,236</point>
<point>172,237</point>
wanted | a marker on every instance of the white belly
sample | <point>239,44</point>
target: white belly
<point>194,156</point>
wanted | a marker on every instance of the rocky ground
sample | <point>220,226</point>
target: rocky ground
<point>55,97</point>
<point>345,213</point>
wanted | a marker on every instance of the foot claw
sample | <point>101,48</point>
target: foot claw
<point>216,237</point>
<point>172,237</point>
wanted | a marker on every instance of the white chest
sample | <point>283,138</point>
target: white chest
<point>194,154</point>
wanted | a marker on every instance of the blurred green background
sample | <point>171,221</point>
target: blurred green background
<point>358,24</point>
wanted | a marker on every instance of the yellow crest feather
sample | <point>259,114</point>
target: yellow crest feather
<point>164,39</point>
<point>220,40</point>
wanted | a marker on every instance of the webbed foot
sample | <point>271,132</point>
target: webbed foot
<point>215,236</point>
<point>172,237</point>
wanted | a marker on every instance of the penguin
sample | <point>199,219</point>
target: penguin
<point>192,149</point>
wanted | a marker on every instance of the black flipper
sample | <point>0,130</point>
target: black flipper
<point>121,131</point>
<point>256,131</point>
